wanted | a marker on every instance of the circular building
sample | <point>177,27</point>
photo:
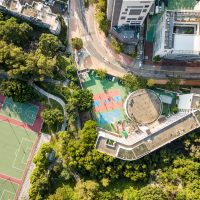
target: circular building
<point>143,106</point>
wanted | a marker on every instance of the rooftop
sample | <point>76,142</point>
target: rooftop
<point>176,126</point>
<point>36,11</point>
<point>143,106</point>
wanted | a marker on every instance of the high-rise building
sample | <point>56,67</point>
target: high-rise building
<point>126,17</point>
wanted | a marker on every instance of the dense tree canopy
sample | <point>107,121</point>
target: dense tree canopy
<point>85,99</point>
<point>19,91</point>
<point>14,32</point>
<point>49,44</point>
<point>52,117</point>
<point>133,82</point>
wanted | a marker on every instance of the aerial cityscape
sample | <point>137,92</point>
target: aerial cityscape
<point>99,100</point>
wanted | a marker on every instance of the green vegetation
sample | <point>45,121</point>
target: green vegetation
<point>101,7</point>
<point>18,90</point>
<point>63,32</point>
<point>173,84</point>
<point>133,82</point>
<point>77,43</point>
<point>161,175</point>
<point>116,45</point>
<point>156,59</point>
<point>53,118</point>
<point>101,73</point>
<point>49,45</point>
<point>13,32</point>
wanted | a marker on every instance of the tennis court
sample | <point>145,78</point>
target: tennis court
<point>16,144</point>
<point>24,112</point>
<point>7,190</point>
<point>108,96</point>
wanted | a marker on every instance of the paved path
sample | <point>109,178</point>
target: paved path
<point>55,98</point>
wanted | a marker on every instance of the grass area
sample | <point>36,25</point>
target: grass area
<point>7,190</point>
<point>105,93</point>
<point>181,4</point>
<point>15,147</point>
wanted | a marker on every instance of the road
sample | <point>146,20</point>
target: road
<point>82,24</point>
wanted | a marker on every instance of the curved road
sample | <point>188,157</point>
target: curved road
<point>94,47</point>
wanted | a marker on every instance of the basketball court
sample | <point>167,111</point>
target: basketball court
<point>17,144</point>
<point>108,96</point>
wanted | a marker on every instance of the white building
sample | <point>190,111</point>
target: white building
<point>37,12</point>
<point>128,12</point>
<point>178,35</point>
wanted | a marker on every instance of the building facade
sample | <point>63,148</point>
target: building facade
<point>128,12</point>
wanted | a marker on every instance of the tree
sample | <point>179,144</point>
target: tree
<point>49,44</point>
<point>116,45</point>
<point>77,43</point>
<point>19,91</point>
<point>86,190</point>
<point>63,193</point>
<point>130,194</point>
<point>52,117</point>
<point>85,99</point>
<point>133,82</point>
<point>105,182</point>
<point>157,58</point>
<point>150,83</point>
<point>151,192</point>
<point>173,83</point>
<point>13,32</point>
<point>101,73</point>
<point>39,66</point>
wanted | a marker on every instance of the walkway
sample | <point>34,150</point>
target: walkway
<point>55,98</point>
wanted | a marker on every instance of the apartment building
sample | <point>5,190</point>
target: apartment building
<point>36,12</point>
<point>178,35</point>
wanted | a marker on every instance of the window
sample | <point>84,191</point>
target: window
<point>135,12</point>
<point>126,9</point>
<point>123,18</point>
<point>146,6</point>
<point>140,18</point>
<point>145,10</point>
<point>124,13</point>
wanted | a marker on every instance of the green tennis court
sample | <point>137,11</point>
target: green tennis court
<point>24,112</point>
<point>15,147</point>
<point>7,190</point>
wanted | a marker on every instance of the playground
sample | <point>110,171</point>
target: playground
<point>17,143</point>
<point>108,96</point>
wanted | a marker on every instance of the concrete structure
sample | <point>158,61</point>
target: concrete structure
<point>126,17</point>
<point>144,138</point>
<point>128,12</point>
<point>178,35</point>
<point>36,12</point>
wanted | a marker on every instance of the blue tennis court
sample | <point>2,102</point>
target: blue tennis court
<point>110,117</point>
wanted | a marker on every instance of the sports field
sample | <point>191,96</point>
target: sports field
<point>108,97</point>
<point>17,140</point>
<point>22,112</point>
